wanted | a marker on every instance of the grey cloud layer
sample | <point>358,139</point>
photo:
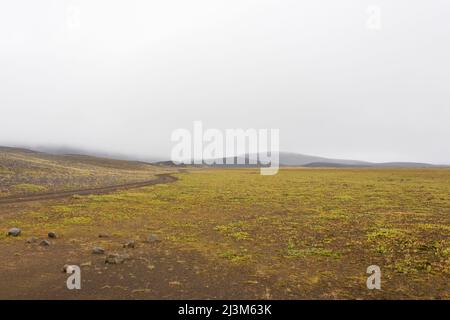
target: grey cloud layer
<point>133,71</point>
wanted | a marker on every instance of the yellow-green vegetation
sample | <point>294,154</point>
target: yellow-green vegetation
<point>309,230</point>
<point>294,252</point>
<point>28,188</point>
<point>234,230</point>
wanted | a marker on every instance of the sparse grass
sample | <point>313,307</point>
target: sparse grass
<point>234,230</point>
<point>77,221</point>
<point>313,224</point>
<point>235,256</point>
<point>294,252</point>
<point>390,233</point>
<point>28,187</point>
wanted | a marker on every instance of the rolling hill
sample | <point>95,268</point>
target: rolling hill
<point>24,171</point>
<point>289,159</point>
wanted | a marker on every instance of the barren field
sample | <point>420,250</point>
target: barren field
<point>234,234</point>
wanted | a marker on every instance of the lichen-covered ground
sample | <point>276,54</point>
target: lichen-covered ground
<point>232,233</point>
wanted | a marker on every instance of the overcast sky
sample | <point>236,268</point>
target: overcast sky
<point>337,81</point>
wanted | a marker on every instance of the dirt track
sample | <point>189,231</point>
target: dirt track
<point>161,178</point>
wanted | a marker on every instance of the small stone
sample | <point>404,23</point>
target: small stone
<point>44,243</point>
<point>103,235</point>
<point>32,240</point>
<point>14,232</point>
<point>69,268</point>
<point>86,264</point>
<point>52,235</point>
<point>116,258</point>
<point>98,250</point>
<point>153,238</point>
<point>129,244</point>
<point>141,291</point>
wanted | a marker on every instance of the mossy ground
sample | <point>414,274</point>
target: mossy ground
<point>307,232</point>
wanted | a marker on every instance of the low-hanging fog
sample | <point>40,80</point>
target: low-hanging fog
<point>367,80</point>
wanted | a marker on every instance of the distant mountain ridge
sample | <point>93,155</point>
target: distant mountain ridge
<point>289,159</point>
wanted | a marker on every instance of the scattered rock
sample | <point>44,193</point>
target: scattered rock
<point>44,243</point>
<point>103,235</point>
<point>116,258</point>
<point>32,240</point>
<point>98,250</point>
<point>129,244</point>
<point>86,264</point>
<point>52,235</point>
<point>14,232</point>
<point>141,291</point>
<point>153,238</point>
<point>69,268</point>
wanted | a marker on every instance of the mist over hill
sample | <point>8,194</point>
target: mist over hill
<point>289,159</point>
<point>286,158</point>
<point>69,150</point>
